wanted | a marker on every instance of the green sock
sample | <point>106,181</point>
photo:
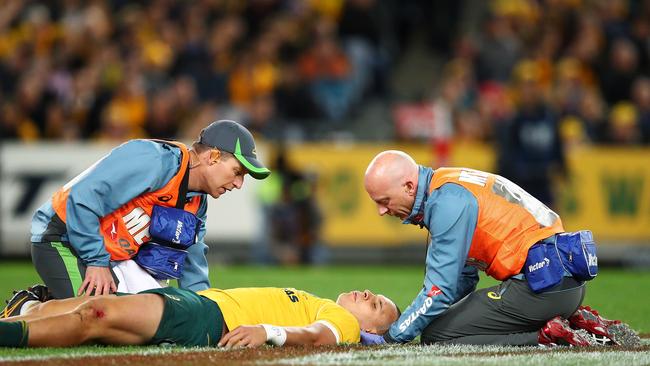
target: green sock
<point>13,334</point>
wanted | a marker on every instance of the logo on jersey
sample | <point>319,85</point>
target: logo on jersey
<point>473,176</point>
<point>539,265</point>
<point>493,295</point>
<point>592,259</point>
<point>435,291</point>
<point>137,224</point>
<point>177,233</point>
<point>421,310</point>
<point>111,231</point>
<point>292,295</point>
<point>165,198</point>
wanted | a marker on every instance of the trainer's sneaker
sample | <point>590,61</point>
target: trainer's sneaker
<point>558,331</point>
<point>41,291</point>
<point>619,333</point>
<point>16,303</point>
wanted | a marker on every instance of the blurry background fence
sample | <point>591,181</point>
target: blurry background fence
<point>608,192</point>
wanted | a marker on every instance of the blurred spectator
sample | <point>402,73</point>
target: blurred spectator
<point>129,104</point>
<point>292,217</point>
<point>623,124</point>
<point>572,133</point>
<point>499,50</point>
<point>115,128</point>
<point>327,71</point>
<point>614,14</point>
<point>454,89</point>
<point>192,127</point>
<point>260,118</point>
<point>162,122</point>
<point>570,86</point>
<point>592,113</point>
<point>640,33</point>
<point>256,73</point>
<point>470,126</point>
<point>588,41</point>
<point>185,99</point>
<point>361,37</point>
<point>641,97</point>
<point>494,106</point>
<point>292,96</point>
<point>14,125</point>
<point>619,72</point>
<point>531,150</point>
<point>223,38</point>
<point>57,126</point>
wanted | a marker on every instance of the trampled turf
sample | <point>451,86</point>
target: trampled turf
<point>340,355</point>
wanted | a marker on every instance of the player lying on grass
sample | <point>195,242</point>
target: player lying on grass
<point>228,318</point>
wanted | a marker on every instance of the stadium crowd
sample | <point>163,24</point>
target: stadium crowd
<point>118,69</point>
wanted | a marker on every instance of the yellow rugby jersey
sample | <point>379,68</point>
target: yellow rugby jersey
<point>285,307</point>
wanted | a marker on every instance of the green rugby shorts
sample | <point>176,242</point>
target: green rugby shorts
<point>188,319</point>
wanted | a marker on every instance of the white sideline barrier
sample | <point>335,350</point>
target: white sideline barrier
<point>31,173</point>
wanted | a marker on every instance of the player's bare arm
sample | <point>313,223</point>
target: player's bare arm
<point>316,334</point>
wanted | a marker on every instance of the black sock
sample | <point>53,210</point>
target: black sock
<point>13,334</point>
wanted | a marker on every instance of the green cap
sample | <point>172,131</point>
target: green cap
<point>234,138</point>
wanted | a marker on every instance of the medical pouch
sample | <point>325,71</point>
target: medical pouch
<point>174,226</point>
<point>543,268</point>
<point>578,252</point>
<point>161,261</point>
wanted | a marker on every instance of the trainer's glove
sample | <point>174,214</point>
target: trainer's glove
<point>369,339</point>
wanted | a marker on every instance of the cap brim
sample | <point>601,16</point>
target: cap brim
<point>256,169</point>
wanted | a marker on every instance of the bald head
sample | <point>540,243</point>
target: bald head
<point>392,177</point>
<point>391,165</point>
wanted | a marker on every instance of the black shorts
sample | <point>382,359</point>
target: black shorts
<point>188,319</point>
<point>60,268</point>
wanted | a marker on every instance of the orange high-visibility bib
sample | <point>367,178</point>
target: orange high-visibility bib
<point>509,220</point>
<point>126,228</point>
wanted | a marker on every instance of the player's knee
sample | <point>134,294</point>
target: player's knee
<point>93,315</point>
<point>93,310</point>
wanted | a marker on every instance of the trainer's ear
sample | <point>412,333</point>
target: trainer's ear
<point>410,188</point>
<point>215,154</point>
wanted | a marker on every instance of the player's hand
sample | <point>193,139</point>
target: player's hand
<point>244,336</point>
<point>98,281</point>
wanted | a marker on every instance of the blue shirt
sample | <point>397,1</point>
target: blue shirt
<point>129,170</point>
<point>450,214</point>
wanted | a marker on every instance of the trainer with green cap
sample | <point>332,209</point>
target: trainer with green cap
<point>86,238</point>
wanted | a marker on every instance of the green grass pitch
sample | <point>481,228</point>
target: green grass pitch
<point>617,294</point>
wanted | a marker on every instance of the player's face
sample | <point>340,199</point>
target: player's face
<point>375,312</point>
<point>224,175</point>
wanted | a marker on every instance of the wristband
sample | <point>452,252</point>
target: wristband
<point>275,335</point>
